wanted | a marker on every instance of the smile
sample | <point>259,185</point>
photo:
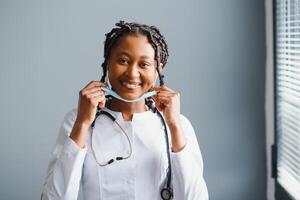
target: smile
<point>131,85</point>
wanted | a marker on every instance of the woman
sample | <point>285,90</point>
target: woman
<point>123,153</point>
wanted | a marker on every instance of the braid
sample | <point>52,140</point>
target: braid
<point>104,67</point>
<point>155,38</point>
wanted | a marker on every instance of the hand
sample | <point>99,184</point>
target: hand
<point>168,102</point>
<point>90,97</point>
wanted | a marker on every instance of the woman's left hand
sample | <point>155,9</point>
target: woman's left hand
<point>167,101</point>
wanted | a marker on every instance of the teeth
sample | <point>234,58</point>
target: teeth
<point>130,85</point>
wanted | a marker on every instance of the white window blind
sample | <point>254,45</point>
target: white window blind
<point>288,95</point>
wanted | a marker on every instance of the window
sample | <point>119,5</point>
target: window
<point>287,79</point>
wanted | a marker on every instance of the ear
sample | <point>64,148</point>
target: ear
<point>160,68</point>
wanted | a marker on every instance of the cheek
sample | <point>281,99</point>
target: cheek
<point>114,71</point>
<point>150,78</point>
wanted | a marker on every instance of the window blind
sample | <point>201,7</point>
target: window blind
<point>287,54</point>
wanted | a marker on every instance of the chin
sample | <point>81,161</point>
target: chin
<point>130,96</point>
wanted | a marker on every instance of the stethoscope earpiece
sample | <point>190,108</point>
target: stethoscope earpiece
<point>166,194</point>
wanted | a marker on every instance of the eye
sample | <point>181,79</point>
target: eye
<point>145,64</point>
<point>123,61</point>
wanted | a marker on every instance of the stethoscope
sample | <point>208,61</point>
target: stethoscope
<point>166,192</point>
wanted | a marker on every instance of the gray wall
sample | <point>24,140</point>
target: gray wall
<point>50,49</point>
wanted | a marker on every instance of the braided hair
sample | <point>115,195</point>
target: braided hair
<point>155,38</point>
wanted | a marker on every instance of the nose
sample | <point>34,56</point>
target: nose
<point>133,70</point>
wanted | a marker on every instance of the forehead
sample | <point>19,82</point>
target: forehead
<point>135,46</point>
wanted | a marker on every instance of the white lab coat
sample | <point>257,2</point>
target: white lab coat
<point>73,171</point>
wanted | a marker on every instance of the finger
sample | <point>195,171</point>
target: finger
<point>158,89</point>
<point>162,101</point>
<point>92,90</point>
<point>154,97</point>
<point>93,84</point>
<point>160,105</point>
<point>95,94</point>
<point>101,101</point>
<point>162,88</point>
<point>159,108</point>
<point>166,94</point>
<point>97,100</point>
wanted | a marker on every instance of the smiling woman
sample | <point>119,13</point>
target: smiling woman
<point>136,134</point>
<point>132,67</point>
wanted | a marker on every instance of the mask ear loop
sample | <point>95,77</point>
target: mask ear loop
<point>153,85</point>
<point>160,75</point>
<point>107,82</point>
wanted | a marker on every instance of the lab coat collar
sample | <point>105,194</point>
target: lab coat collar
<point>137,117</point>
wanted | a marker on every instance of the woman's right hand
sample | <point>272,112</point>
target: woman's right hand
<point>90,97</point>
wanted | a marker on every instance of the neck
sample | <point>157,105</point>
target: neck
<point>127,109</point>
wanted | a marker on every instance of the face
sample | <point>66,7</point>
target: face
<point>132,67</point>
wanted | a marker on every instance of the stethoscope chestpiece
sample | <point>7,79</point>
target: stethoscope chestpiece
<point>166,194</point>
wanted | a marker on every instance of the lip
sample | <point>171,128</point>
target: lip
<point>131,82</point>
<point>137,84</point>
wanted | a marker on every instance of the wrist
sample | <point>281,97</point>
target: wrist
<point>175,126</point>
<point>178,140</point>
<point>79,133</point>
<point>81,126</point>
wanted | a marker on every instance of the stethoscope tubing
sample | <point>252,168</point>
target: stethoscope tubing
<point>169,172</point>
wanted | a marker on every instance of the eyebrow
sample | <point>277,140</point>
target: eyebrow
<point>123,52</point>
<point>127,54</point>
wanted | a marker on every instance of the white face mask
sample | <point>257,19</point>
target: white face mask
<point>108,90</point>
